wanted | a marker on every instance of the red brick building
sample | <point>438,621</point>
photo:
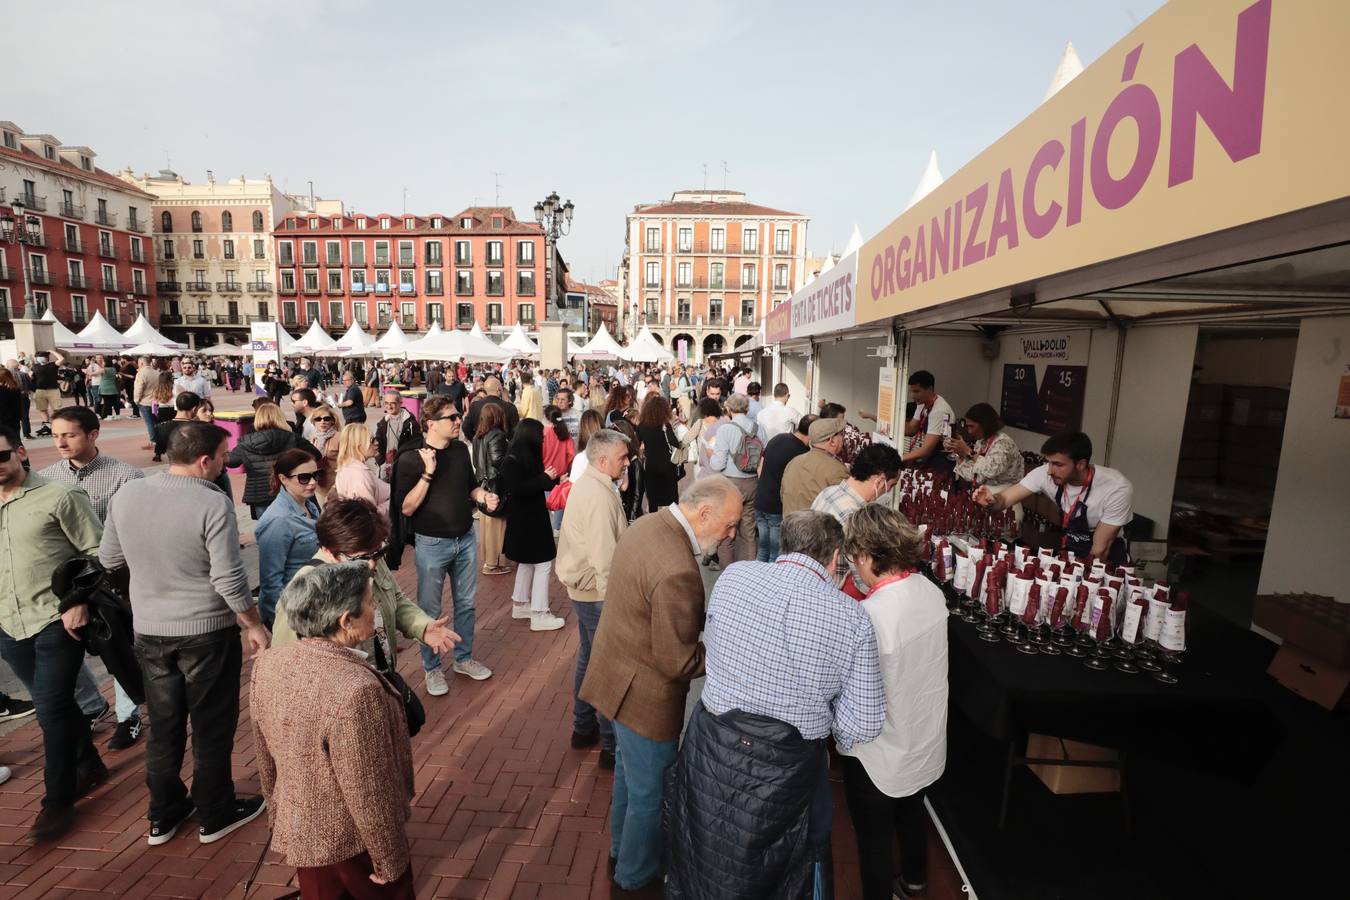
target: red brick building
<point>93,251</point>
<point>480,265</point>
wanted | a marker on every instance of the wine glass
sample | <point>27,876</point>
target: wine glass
<point>1096,659</point>
<point>1168,657</point>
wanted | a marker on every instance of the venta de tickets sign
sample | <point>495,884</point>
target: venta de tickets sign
<point>828,303</point>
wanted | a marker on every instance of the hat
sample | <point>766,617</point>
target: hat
<point>823,429</point>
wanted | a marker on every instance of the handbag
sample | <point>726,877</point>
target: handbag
<point>679,454</point>
<point>557,498</point>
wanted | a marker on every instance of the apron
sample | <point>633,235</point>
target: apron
<point>938,460</point>
<point>1077,536</point>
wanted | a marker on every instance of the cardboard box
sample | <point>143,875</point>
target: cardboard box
<point>1316,624</point>
<point>1073,779</point>
<point>1309,677</point>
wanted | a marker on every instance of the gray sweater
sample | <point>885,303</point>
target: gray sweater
<point>178,536</point>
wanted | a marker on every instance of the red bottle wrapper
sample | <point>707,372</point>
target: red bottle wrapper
<point>977,583</point>
<point>993,592</point>
<point>1056,617</point>
<point>1033,605</point>
<point>1103,623</point>
<point>940,561</point>
<point>1083,608</point>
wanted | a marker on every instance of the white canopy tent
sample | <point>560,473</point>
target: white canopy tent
<point>519,343</point>
<point>573,348</point>
<point>928,181</point>
<point>602,346</point>
<point>143,332</point>
<point>354,342</point>
<point>393,340</point>
<point>1069,68</point>
<point>99,334</point>
<point>151,349</point>
<point>645,349</point>
<point>316,340</point>
<point>224,350</point>
<point>65,338</point>
<point>453,345</point>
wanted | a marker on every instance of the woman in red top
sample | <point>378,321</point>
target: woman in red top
<point>559,451</point>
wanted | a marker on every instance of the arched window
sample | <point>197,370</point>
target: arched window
<point>257,220</point>
<point>196,221</point>
<point>166,222</point>
<point>226,221</point>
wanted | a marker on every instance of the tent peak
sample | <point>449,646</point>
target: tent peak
<point>1069,68</point>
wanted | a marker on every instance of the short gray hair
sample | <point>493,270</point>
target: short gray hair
<point>315,600</point>
<point>712,490</point>
<point>738,403</point>
<point>603,442</point>
<point>815,534</point>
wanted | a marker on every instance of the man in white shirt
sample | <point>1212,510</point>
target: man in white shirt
<point>741,383</point>
<point>1096,502</point>
<point>191,381</point>
<point>931,413</point>
<point>777,418</point>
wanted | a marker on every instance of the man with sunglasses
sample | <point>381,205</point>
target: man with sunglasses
<point>436,489</point>
<point>42,525</point>
<point>191,381</point>
<point>303,401</point>
<point>396,430</point>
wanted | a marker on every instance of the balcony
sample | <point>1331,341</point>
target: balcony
<point>137,256</point>
<point>260,287</point>
<point>71,210</point>
<point>494,262</point>
<point>33,202</point>
<point>111,286</point>
<point>103,217</point>
<point>140,288</point>
<point>41,276</point>
<point>435,263</point>
<point>435,291</point>
<point>310,261</point>
<point>286,261</point>
<point>230,319</point>
<point>79,317</point>
<point>229,287</point>
<point>197,320</point>
<point>383,289</point>
<point>198,287</point>
<point>290,320</point>
<point>382,261</point>
<point>715,320</point>
<point>170,318</point>
<point>78,282</point>
<point>525,263</point>
<point>652,284</point>
<point>407,290</point>
<point>464,261</point>
<point>409,323</point>
<point>406,262</point>
<point>136,225</point>
<point>333,291</point>
<point>286,289</point>
<point>684,319</point>
<point>5,273</point>
<point>312,290</point>
<point>782,251</point>
<point>462,291</point>
<point>36,240</point>
<point>107,251</point>
<point>360,288</point>
<point>333,262</point>
<point>715,248</point>
<point>196,255</point>
<point>168,287</point>
<point>76,245</point>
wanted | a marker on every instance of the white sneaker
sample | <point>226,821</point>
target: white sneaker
<point>5,774</point>
<point>520,610</point>
<point>473,668</point>
<point>436,685</point>
<point>545,621</point>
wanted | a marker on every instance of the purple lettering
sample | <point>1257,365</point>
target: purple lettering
<point>1005,215</point>
<point>888,271</point>
<point>1077,141</point>
<point>1136,102</point>
<point>1039,224</point>
<point>902,263</point>
<point>939,242</point>
<point>920,258</point>
<point>975,202</point>
<point>1234,116</point>
<point>956,236</point>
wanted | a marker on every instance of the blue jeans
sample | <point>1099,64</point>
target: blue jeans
<point>47,664</point>
<point>148,417</point>
<point>457,557</point>
<point>768,525</point>
<point>90,699</point>
<point>584,717</point>
<point>640,767</point>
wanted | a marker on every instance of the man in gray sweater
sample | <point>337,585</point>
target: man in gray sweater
<point>177,533</point>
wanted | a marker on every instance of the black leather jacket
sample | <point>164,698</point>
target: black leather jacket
<point>488,452</point>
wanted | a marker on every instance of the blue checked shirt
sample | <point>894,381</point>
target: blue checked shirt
<point>782,642</point>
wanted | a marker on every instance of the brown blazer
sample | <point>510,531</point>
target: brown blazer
<point>333,756</point>
<point>647,648</point>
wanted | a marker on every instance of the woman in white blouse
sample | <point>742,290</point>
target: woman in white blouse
<point>994,458</point>
<point>884,779</point>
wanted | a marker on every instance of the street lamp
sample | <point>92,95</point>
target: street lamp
<point>20,229</point>
<point>555,217</point>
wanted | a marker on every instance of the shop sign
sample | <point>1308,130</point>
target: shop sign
<point>1209,115</point>
<point>829,303</point>
<point>265,342</point>
<point>778,323</point>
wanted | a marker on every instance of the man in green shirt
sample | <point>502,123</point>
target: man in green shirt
<point>43,524</point>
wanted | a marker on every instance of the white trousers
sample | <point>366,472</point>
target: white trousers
<point>532,585</point>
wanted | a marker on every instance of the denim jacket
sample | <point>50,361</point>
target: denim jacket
<point>286,541</point>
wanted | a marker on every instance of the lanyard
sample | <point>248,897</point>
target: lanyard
<point>1078,501</point>
<point>793,562</point>
<point>890,579</point>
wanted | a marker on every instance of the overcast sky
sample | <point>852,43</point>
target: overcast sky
<point>824,109</point>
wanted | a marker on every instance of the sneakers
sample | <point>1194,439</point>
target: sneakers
<point>245,810</point>
<point>163,830</point>
<point>903,890</point>
<point>583,739</point>
<point>101,717</point>
<point>126,733</point>
<point>545,621</point>
<point>520,610</point>
<point>5,774</point>
<point>436,685</point>
<point>88,779</point>
<point>473,668</point>
<point>14,708</point>
<point>607,760</point>
<point>51,823</point>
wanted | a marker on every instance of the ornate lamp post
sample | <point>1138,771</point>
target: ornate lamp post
<point>20,229</point>
<point>555,217</point>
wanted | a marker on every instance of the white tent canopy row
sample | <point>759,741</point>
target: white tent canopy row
<point>223,350</point>
<point>602,346</point>
<point>439,344</point>
<point>645,349</point>
<point>315,340</point>
<point>354,342</point>
<point>519,343</point>
<point>142,332</point>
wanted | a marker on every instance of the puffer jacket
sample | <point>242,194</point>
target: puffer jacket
<point>737,810</point>
<point>256,452</point>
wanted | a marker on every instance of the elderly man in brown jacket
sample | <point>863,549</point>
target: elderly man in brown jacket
<point>646,652</point>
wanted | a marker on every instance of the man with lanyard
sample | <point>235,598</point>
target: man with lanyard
<point>931,413</point>
<point>1095,501</point>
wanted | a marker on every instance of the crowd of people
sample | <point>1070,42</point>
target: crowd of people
<point>632,487</point>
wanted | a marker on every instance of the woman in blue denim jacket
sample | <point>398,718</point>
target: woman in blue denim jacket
<point>285,533</point>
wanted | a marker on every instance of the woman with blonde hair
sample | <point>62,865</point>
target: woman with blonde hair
<point>355,478</point>
<point>258,450</point>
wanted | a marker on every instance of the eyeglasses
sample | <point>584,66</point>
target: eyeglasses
<point>5,455</point>
<point>324,419</point>
<point>453,417</point>
<point>367,557</point>
<point>305,477</point>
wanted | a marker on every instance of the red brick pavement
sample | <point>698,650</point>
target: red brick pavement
<point>504,809</point>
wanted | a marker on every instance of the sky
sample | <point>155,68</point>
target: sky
<point>829,110</point>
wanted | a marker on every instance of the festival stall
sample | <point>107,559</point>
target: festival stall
<point>601,346</point>
<point>519,343</point>
<point>99,335</point>
<point>142,332</point>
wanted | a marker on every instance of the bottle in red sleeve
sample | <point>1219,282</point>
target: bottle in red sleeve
<point>1028,619</point>
<point>1056,619</point>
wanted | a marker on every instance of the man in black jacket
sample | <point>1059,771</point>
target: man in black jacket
<point>396,430</point>
<point>493,388</point>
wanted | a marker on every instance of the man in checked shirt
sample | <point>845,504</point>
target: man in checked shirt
<point>790,660</point>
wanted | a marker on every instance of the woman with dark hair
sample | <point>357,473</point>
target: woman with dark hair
<point>657,435</point>
<point>634,484</point>
<point>994,459</point>
<point>559,451</point>
<point>489,449</point>
<point>617,404</point>
<point>285,531</point>
<point>523,481</point>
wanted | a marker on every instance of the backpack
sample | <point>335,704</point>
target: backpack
<point>752,448</point>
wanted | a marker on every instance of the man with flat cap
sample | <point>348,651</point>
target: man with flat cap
<point>816,469</point>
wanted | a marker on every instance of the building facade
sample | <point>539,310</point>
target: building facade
<point>92,249</point>
<point>707,266</point>
<point>480,265</point>
<point>213,248</point>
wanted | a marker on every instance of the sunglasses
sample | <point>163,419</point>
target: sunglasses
<point>366,557</point>
<point>453,417</point>
<point>305,477</point>
<point>5,455</point>
<point>324,419</point>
